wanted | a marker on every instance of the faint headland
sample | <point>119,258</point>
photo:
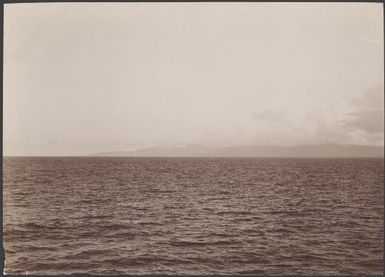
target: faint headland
<point>302,151</point>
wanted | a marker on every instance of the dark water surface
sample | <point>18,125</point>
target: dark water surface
<point>193,216</point>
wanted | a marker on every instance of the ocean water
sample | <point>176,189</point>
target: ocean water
<point>193,216</point>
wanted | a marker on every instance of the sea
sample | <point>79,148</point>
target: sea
<point>122,215</point>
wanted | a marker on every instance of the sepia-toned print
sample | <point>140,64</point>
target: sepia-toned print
<point>193,138</point>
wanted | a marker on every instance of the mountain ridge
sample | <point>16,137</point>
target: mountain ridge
<point>257,151</point>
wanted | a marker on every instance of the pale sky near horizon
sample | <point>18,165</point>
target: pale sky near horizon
<point>95,77</point>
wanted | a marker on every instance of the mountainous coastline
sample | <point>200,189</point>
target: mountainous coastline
<point>303,151</point>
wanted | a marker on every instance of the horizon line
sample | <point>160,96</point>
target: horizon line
<point>216,157</point>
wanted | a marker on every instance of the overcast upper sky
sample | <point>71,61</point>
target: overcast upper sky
<point>85,77</point>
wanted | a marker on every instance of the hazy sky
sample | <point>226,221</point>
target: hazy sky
<point>83,78</point>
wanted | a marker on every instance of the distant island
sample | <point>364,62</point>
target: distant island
<point>302,151</point>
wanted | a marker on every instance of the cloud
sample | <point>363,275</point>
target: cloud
<point>372,99</point>
<point>281,127</point>
<point>367,115</point>
<point>359,121</point>
<point>371,121</point>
